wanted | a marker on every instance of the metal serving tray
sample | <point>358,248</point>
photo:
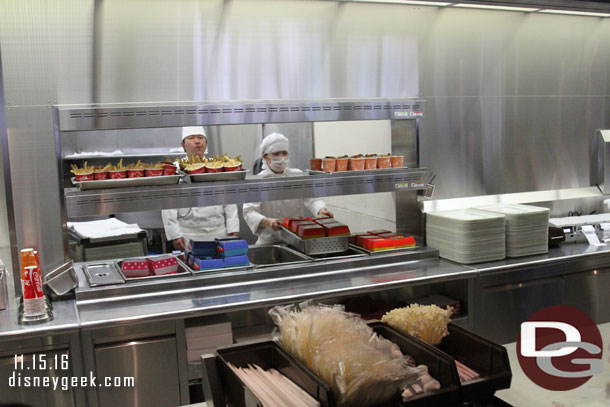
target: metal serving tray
<point>274,255</point>
<point>126,182</point>
<point>182,271</point>
<point>319,245</point>
<point>218,270</point>
<point>218,176</point>
<point>372,253</point>
<point>358,172</point>
<point>102,274</point>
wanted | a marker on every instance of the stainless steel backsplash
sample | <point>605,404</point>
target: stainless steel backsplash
<point>512,98</point>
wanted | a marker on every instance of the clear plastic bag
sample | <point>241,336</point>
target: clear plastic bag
<point>361,368</point>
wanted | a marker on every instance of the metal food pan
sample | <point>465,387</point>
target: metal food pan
<point>126,182</point>
<point>319,245</point>
<point>102,274</point>
<point>372,253</point>
<point>219,176</point>
<point>182,271</point>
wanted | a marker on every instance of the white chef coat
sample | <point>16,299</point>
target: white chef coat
<point>200,223</point>
<point>255,212</point>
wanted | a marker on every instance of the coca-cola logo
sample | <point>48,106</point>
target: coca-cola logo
<point>37,279</point>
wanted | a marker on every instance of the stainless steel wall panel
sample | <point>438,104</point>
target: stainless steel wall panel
<point>35,182</point>
<point>197,50</point>
<point>512,99</point>
<point>46,51</point>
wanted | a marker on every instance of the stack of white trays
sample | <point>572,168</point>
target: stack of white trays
<point>467,235</point>
<point>527,228</point>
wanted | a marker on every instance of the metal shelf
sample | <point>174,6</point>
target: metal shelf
<point>107,201</point>
<point>131,116</point>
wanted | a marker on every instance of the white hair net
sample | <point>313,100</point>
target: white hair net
<point>192,130</point>
<point>273,143</point>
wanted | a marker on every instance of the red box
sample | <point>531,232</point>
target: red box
<point>135,267</point>
<point>294,227</point>
<point>336,229</point>
<point>169,169</point>
<point>401,241</point>
<point>354,238</point>
<point>324,221</point>
<point>164,264</point>
<point>311,231</point>
<point>379,244</point>
<point>362,239</point>
<point>289,221</point>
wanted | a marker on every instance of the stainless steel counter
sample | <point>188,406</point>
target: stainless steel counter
<point>65,319</point>
<point>220,293</point>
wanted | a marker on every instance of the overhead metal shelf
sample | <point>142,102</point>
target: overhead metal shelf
<point>107,201</point>
<point>130,116</point>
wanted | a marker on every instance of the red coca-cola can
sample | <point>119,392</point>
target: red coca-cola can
<point>32,284</point>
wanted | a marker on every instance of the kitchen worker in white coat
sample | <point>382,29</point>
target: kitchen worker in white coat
<point>201,223</point>
<point>263,218</point>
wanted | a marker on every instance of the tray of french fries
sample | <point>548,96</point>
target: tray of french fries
<point>121,176</point>
<point>215,168</point>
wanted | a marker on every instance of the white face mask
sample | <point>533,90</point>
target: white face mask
<point>278,164</point>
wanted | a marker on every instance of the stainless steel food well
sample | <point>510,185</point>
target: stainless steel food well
<point>272,255</point>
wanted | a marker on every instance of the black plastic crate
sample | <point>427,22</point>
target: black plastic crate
<point>440,366</point>
<point>485,357</point>
<point>267,355</point>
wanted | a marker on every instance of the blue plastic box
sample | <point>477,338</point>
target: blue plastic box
<point>203,248</point>
<point>209,263</point>
<point>236,261</point>
<point>231,248</point>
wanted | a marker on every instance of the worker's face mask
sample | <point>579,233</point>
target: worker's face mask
<point>278,164</point>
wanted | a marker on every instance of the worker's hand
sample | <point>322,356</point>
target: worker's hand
<point>272,223</point>
<point>236,234</point>
<point>325,212</point>
<point>180,244</point>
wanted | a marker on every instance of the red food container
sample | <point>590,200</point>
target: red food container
<point>84,177</point>
<point>100,175</point>
<point>169,169</point>
<point>329,165</point>
<point>336,229</point>
<point>315,164</point>
<point>294,227</point>
<point>199,170</point>
<point>397,161</point>
<point>208,169</point>
<point>311,231</point>
<point>32,283</point>
<point>402,241</point>
<point>230,168</point>
<point>356,164</point>
<point>163,264</point>
<point>119,174</point>
<point>135,173</point>
<point>341,164</point>
<point>154,172</point>
<point>135,268</point>
<point>353,239</point>
<point>362,239</point>
<point>370,163</point>
<point>289,221</point>
<point>379,244</point>
<point>383,162</point>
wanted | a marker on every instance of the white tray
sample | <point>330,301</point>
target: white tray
<point>126,182</point>
<point>218,176</point>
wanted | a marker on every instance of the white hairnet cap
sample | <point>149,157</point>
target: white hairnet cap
<point>193,130</point>
<point>273,143</point>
